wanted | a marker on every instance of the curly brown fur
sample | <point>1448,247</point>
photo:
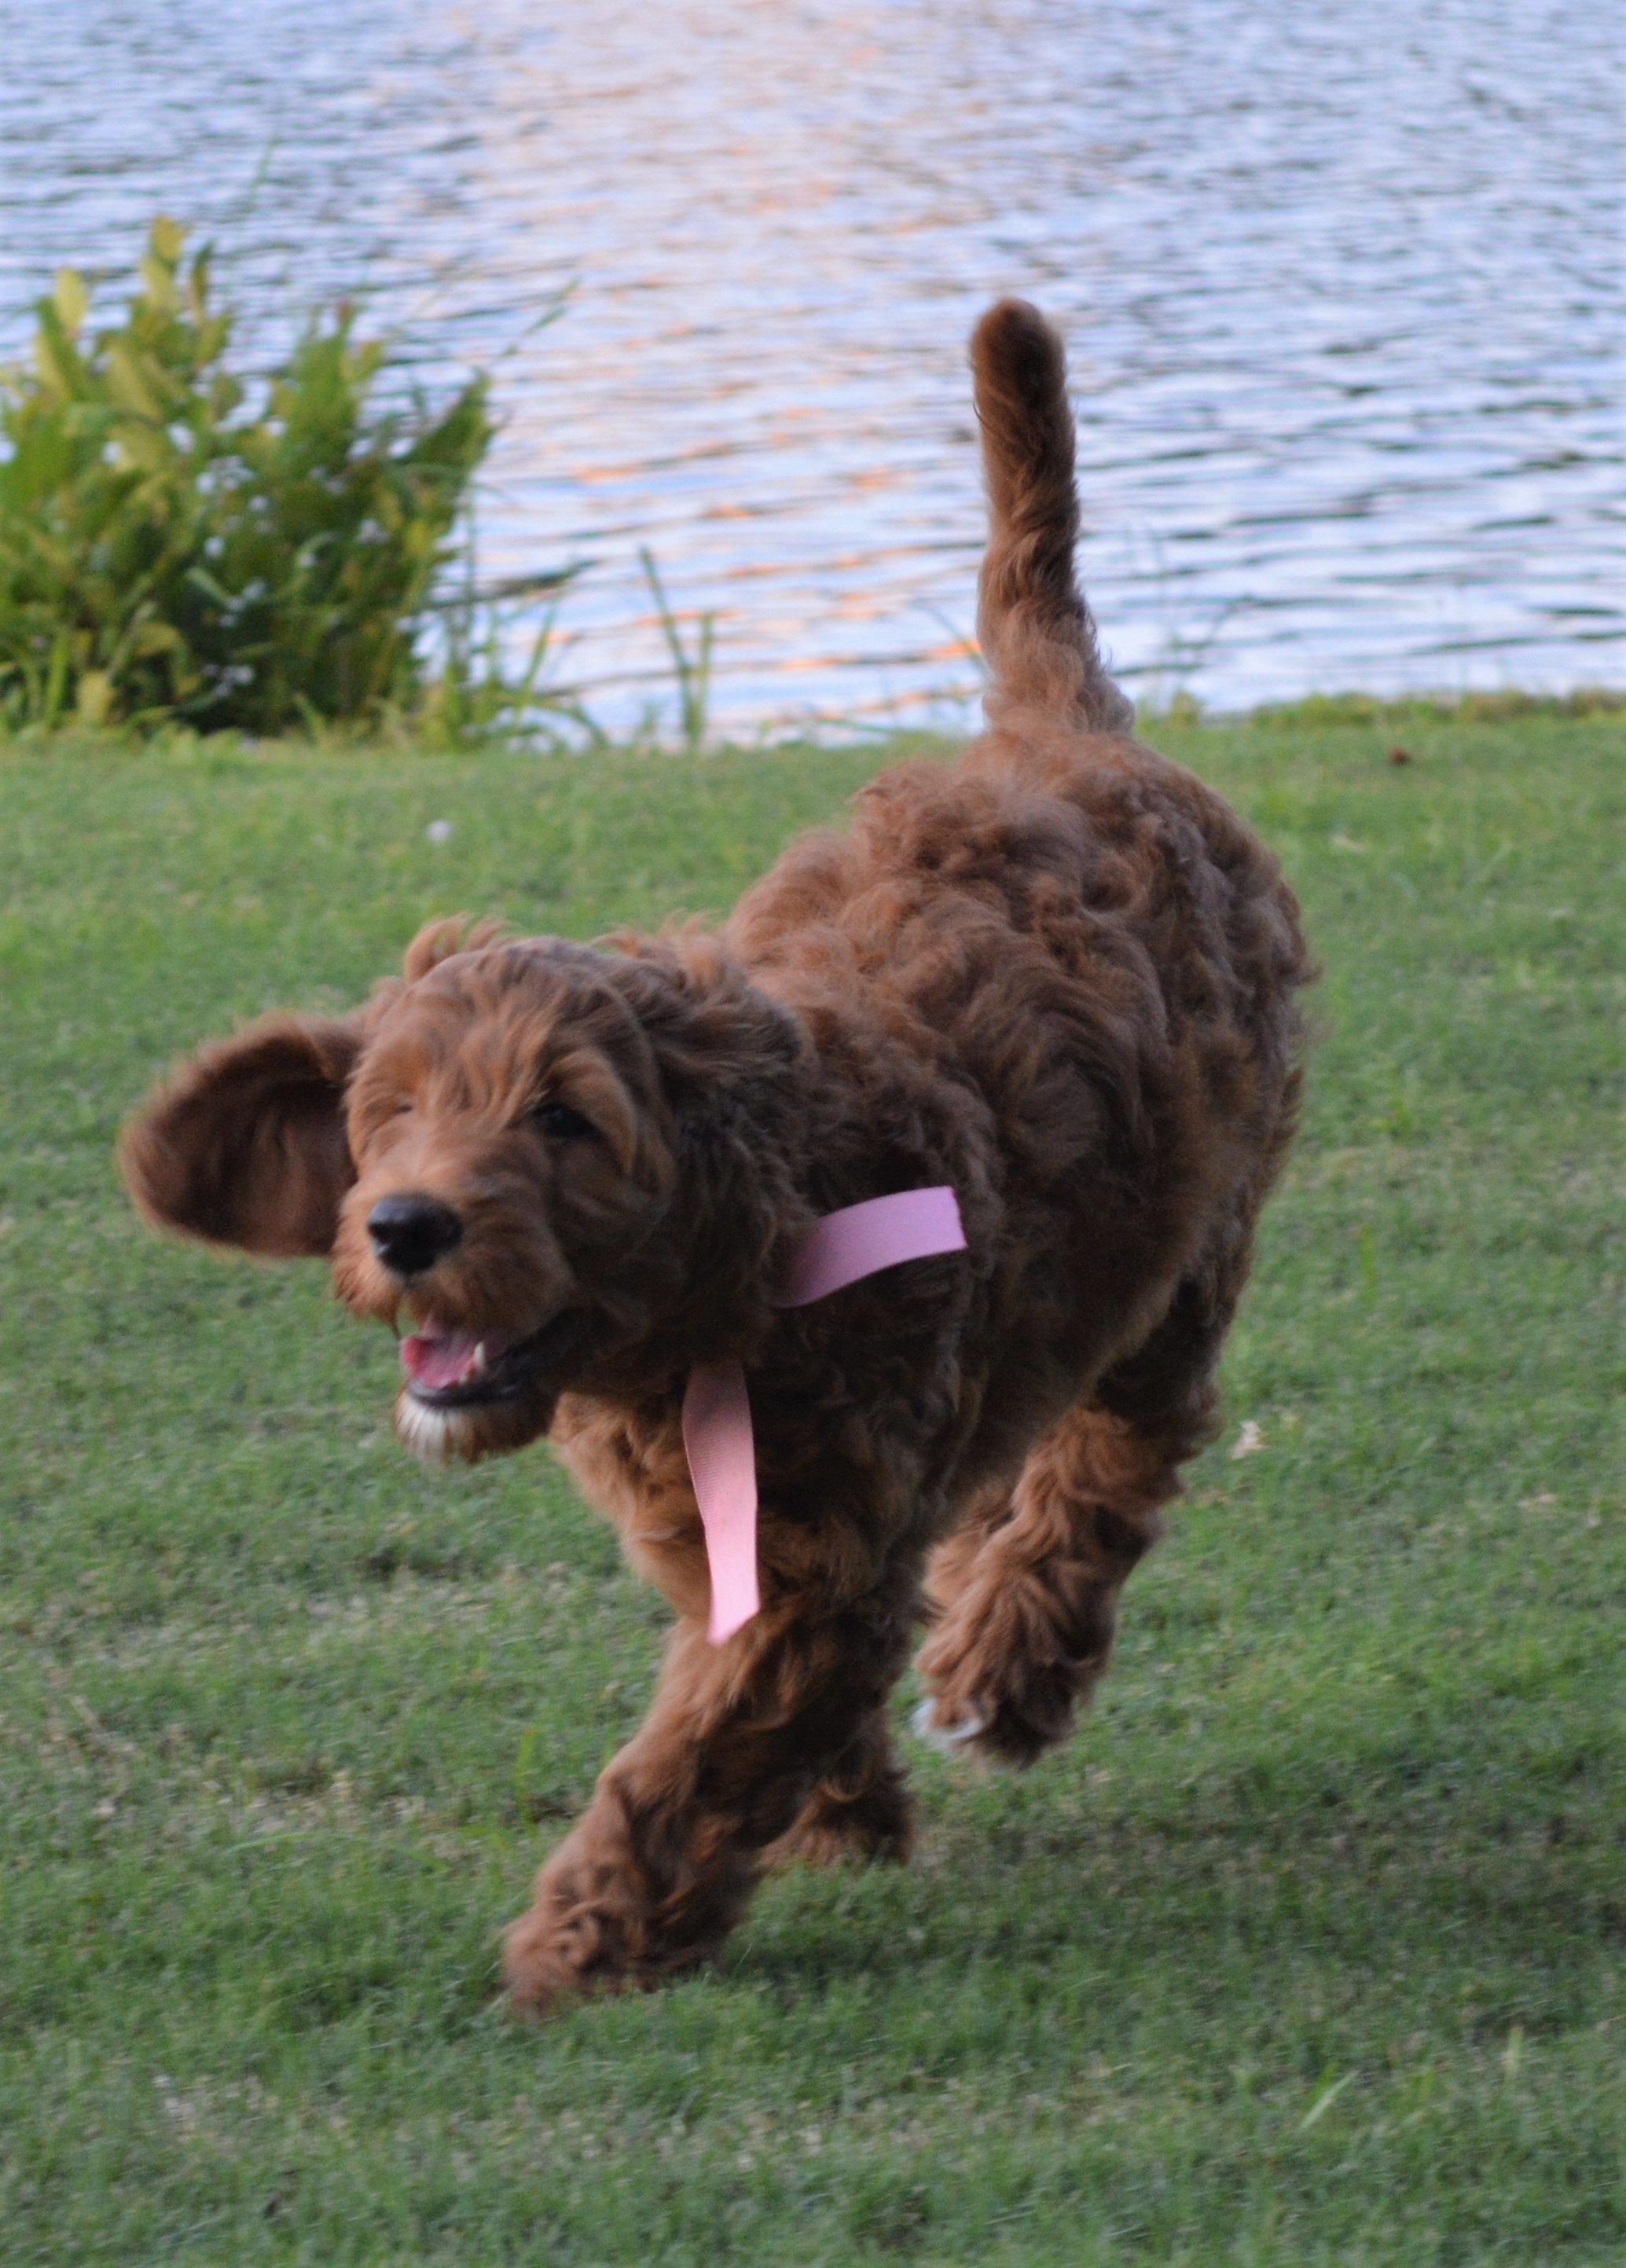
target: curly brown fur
<point>1060,976</point>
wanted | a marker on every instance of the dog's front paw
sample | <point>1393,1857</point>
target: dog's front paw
<point>603,1923</point>
<point>550,1958</point>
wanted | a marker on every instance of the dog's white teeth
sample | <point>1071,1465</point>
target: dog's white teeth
<point>478,1366</point>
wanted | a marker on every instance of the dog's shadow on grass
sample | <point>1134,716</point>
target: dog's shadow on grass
<point>1031,1874</point>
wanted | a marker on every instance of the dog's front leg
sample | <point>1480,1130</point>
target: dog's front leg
<point>861,1809</point>
<point>658,1869</point>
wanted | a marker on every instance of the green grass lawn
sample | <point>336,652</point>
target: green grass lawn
<point>1309,1949</point>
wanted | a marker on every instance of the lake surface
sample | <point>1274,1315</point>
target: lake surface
<point>1343,288</point>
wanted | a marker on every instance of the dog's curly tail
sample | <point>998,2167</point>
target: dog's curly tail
<point>1037,637</point>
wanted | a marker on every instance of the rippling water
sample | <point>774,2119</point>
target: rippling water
<point>1342,286</point>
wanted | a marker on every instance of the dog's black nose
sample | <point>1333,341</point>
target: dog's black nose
<point>410,1233</point>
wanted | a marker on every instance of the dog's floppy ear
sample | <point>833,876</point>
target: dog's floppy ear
<point>246,1146</point>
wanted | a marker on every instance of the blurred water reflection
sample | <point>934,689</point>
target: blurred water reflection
<point>1341,286</point>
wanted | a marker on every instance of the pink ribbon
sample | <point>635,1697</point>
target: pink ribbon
<point>838,1250</point>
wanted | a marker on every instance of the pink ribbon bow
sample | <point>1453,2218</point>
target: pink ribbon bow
<point>837,1251</point>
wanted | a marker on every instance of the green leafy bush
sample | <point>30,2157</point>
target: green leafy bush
<point>169,553</point>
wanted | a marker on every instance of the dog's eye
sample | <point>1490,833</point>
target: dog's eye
<point>560,1122</point>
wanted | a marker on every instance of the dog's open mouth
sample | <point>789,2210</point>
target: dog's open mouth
<point>448,1369</point>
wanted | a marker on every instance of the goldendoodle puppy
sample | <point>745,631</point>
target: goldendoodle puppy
<point>1058,977</point>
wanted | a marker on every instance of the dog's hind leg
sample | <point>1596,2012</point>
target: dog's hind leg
<point>860,1809</point>
<point>1028,1590</point>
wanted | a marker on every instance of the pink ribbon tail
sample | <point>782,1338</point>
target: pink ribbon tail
<point>838,1250</point>
<point>722,1463</point>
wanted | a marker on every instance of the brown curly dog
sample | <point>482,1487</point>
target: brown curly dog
<point>1060,976</point>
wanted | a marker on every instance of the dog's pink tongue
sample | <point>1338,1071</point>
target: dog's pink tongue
<point>440,1359</point>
